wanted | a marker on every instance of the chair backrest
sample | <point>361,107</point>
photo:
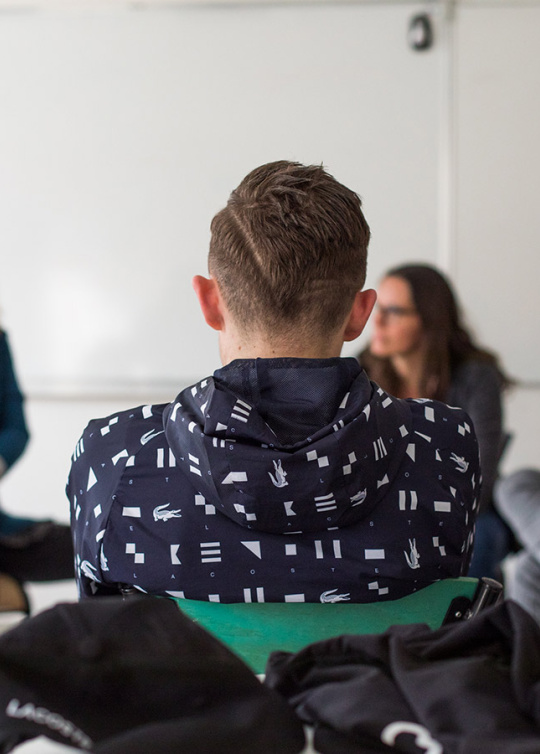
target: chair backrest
<point>253,630</point>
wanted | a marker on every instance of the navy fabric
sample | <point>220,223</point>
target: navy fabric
<point>276,480</point>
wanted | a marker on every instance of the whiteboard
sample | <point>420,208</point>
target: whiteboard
<point>122,133</point>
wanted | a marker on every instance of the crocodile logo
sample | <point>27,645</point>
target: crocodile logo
<point>88,570</point>
<point>359,497</point>
<point>330,596</point>
<point>462,464</point>
<point>279,480</point>
<point>150,436</point>
<point>414,557</point>
<point>160,514</point>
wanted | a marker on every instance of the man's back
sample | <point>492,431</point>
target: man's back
<point>276,480</point>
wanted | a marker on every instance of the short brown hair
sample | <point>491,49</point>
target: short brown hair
<point>290,249</point>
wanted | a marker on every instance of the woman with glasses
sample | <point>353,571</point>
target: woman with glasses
<point>420,348</point>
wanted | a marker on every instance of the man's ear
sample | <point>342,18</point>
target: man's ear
<point>363,304</point>
<point>210,301</point>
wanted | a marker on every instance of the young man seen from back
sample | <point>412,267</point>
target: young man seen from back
<point>286,476</point>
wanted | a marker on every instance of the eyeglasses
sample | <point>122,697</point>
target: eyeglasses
<point>395,312</point>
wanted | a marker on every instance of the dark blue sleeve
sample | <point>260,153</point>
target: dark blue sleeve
<point>13,430</point>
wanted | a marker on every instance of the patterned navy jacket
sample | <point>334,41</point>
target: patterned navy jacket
<point>276,480</point>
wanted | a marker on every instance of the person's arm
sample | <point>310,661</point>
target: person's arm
<point>477,389</point>
<point>13,430</point>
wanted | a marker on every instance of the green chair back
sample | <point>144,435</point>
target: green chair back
<point>253,630</point>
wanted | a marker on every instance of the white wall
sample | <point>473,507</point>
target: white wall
<point>123,131</point>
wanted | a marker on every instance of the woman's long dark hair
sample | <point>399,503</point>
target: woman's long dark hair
<point>449,343</point>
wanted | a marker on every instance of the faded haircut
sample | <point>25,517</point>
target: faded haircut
<point>290,250</point>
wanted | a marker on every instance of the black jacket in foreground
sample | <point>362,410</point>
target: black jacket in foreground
<point>467,688</point>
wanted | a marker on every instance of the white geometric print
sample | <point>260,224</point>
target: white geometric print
<point>241,411</point>
<point>175,560</point>
<point>288,508</point>
<point>344,401</point>
<point>239,508</point>
<point>347,469</point>
<point>105,430</point>
<point>411,451</point>
<point>133,512</point>
<point>311,455</point>
<point>221,443</point>
<point>325,503</point>
<point>160,458</point>
<point>379,449</point>
<point>463,429</point>
<point>442,550</point>
<point>192,468</point>
<point>118,456</point>
<point>374,554</point>
<point>210,552</point>
<point>79,450</point>
<point>92,479</point>
<point>442,506</point>
<point>336,547</point>
<point>403,500</point>
<point>254,547</point>
<point>209,509</point>
<point>374,585</point>
<point>131,549</point>
<point>259,594</point>
<point>429,413</point>
<point>235,476</point>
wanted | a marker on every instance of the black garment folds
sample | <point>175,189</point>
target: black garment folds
<point>116,677</point>
<point>468,688</point>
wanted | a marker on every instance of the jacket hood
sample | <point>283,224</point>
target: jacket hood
<point>289,445</point>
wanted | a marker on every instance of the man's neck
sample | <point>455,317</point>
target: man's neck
<point>231,349</point>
